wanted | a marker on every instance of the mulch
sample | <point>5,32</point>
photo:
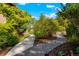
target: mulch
<point>3,52</point>
<point>67,47</point>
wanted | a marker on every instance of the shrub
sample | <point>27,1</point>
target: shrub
<point>72,33</point>
<point>44,27</point>
<point>17,22</point>
<point>40,33</point>
<point>7,39</point>
<point>12,40</point>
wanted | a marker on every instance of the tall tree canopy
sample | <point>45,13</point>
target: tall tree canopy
<point>71,12</point>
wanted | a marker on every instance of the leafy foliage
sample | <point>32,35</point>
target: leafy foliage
<point>16,25</point>
<point>70,12</point>
<point>72,33</point>
<point>7,39</point>
<point>42,27</point>
<point>45,27</point>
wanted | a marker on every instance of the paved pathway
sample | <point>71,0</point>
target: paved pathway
<point>42,49</point>
<point>22,46</point>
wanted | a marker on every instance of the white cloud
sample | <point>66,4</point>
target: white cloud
<point>53,15</point>
<point>34,17</point>
<point>50,6</point>
<point>57,8</point>
<point>64,4</point>
<point>22,3</point>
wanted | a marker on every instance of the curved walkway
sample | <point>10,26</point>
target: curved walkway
<point>42,49</point>
<point>22,46</point>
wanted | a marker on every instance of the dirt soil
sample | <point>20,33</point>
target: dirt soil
<point>5,51</point>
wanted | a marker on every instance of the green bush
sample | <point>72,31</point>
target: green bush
<point>7,39</point>
<point>17,22</point>
<point>40,33</point>
<point>43,27</point>
<point>72,33</point>
<point>12,40</point>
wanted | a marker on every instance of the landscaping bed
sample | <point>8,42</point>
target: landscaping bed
<point>44,40</point>
<point>3,52</point>
<point>65,49</point>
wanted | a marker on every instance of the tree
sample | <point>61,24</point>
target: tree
<point>17,22</point>
<point>70,12</point>
<point>43,27</point>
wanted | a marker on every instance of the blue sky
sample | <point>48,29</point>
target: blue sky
<point>35,9</point>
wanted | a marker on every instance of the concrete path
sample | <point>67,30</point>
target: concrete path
<point>42,49</point>
<point>22,46</point>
